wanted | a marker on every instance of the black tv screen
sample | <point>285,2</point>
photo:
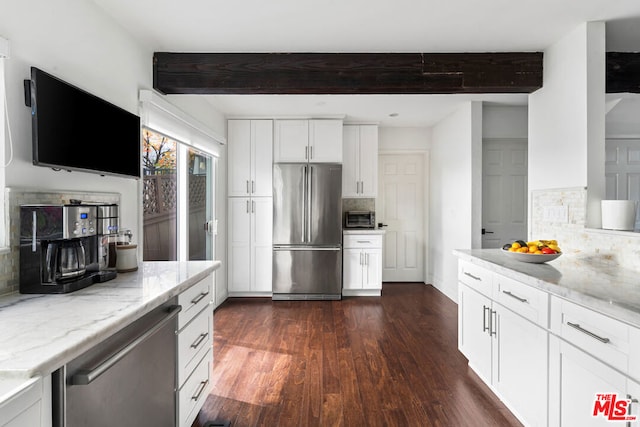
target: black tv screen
<point>74,130</point>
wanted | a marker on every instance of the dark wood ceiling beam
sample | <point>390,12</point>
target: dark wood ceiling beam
<point>346,73</point>
<point>623,72</point>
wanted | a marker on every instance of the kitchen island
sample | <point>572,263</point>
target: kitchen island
<point>41,333</point>
<point>548,339</point>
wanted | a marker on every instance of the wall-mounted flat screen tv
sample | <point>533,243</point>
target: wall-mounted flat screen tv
<point>75,130</point>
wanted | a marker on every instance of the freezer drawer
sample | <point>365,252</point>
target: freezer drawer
<point>307,273</point>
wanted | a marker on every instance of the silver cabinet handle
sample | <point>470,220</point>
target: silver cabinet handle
<point>253,206</point>
<point>311,152</point>
<point>364,241</point>
<point>485,324</point>
<point>253,186</point>
<point>247,186</point>
<point>472,276</point>
<point>629,411</point>
<point>493,321</point>
<point>199,298</point>
<point>247,206</point>
<point>587,332</point>
<point>306,153</point>
<point>87,376</point>
<point>515,296</point>
<point>203,385</point>
<point>199,340</point>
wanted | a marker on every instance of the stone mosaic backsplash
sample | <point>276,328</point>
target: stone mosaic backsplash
<point>598,246</point>
<point>10,262</point>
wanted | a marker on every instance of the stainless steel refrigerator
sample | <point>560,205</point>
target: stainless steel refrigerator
<point>307,231</point>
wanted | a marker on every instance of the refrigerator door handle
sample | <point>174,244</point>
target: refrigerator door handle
<point>304,202</point>
<point>309,199</point>
<point>307,248</point>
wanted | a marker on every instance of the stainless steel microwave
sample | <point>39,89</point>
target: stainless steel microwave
<point>360,219</point>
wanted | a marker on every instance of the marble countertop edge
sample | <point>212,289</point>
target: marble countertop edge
<point>591,293</point>
<point>179,277</point>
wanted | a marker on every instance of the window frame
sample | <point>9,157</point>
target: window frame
<point>4,222</point>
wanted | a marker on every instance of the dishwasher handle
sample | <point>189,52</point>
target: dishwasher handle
<point>87,376</point>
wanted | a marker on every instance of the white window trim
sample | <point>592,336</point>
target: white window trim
<point>4,220</point>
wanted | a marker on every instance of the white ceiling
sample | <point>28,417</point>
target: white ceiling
<point>367,26</point>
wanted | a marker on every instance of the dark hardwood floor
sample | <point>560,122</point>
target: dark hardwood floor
<point>365,361</point>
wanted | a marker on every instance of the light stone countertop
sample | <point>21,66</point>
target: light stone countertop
<point>587,281</point>
<point>363,231</point>
<point>40,333</point>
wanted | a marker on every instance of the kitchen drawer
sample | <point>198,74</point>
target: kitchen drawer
<point>193,342</point>
<point>358,241</point>
<point>605,338</point>
<point>526,301</point>
<point>475,277</point>
<point>194,392</point>
<point>194,299</point>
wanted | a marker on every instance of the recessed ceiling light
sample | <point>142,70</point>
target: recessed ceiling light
<point>394,115</point>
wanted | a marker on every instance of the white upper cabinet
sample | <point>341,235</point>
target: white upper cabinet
<point>250,158</point>
<point>315,141</point>
<point>360,161</point>
<point>325,141</point>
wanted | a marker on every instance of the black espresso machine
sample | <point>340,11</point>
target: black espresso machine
<point>59,249</point>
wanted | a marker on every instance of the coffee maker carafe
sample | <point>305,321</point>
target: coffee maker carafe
<point>65,260</point>
<point>58,249</point>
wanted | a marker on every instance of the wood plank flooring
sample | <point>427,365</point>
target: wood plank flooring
<point>362,361</point>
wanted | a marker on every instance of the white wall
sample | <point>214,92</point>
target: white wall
<point>403,138</point>
<point>567,116</point>
<point>77,42</point>
<point>455,148</point>
<point>504,121</point>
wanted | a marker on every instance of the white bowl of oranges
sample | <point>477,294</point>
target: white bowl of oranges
<point>536,251</point>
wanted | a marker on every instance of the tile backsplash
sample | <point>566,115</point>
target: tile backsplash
<point>599,246</point>
<point>14,197</point>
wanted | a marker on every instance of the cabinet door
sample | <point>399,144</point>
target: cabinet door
<point>325,141</point>
<point>350,161</point>
<point>352,268</point>
<point>520,366</point>
<point>368,152</point>
<point>575,380</point>
<point>262,158</point>
<point>372,275</point>
<point>474,340</point>
<point>239,153</point>
<point>261,245</point>
<point>239,271</point>
<point>291,141</point>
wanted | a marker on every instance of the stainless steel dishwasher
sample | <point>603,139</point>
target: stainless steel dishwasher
<point>127,380</point>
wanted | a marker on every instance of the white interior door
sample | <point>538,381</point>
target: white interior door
<point>401,207</point>
<point>622,170</point>
<point>504,191</point>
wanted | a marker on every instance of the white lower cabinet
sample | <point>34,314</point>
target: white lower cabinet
<point>250,250</point>
<point>590,354</point>
<point>505,349</point>
<point>474,335</point>
<point>30,406</point>
<point>520,366</point>
<point>362,265</point>
<point>195,352</point>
